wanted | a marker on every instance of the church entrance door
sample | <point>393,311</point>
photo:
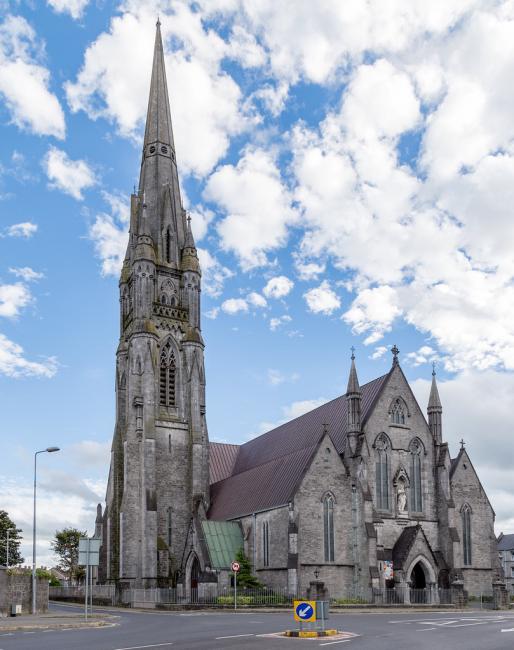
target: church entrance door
<point>195,575</point>
<point>418,585</point>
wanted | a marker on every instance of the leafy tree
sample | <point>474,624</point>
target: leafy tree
<point>245,577</point>
<point>48,575</point>
<point>66,547</point>
<point>6,524</point>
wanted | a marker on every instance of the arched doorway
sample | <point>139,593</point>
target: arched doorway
<point>418,584</point>
<point>195,576</point>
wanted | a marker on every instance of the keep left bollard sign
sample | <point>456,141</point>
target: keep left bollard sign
<point>305,611</point>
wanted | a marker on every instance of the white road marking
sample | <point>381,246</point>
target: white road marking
<point>468,624</point>
<point>233,636</point>
<point>426,629</point>
<point>511,630</point>
<point>334,642</point>
<point>138,647</point>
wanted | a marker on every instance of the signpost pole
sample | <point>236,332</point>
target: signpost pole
<point>87,577</point>
<point>235,590</point>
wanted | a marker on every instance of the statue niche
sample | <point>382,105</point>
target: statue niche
<point>401,484</point>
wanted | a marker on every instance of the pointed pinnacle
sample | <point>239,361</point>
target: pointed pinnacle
<point>434,401</point>
<point>353,381</point>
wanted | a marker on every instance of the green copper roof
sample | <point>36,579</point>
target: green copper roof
<point>224,539</point>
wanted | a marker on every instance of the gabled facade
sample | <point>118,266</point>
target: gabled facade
<point>359,493</point>
<point>506,556</point>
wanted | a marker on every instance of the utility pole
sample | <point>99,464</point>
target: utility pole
<point>7,551</point>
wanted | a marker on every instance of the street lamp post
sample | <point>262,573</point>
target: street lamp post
<point>50,450</point>
<point>7,551</point>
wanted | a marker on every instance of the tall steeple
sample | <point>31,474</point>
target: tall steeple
<point>158,180</point>
<point>435,410</point>
<point>353,399</point>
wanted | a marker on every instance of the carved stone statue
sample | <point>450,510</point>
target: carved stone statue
<point>401,496</point>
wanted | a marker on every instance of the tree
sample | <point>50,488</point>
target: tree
<point>6,524</point>
<point>66,547</point>
<point>245,577</point>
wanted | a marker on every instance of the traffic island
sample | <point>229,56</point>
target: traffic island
<point>310,634</point>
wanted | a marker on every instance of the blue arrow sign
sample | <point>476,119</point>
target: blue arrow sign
<point>304,611</point>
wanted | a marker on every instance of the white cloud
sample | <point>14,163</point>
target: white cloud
<point>379,352</point>
<point>25,229</point>
<point>26,273</point>
<point>205,101</point>
<point>291,411</point>
<point>275,377</point>
<point>257,204</point>
<point>90,453</point>
<point>13,298</point>
<point>373,310</point>
<point>308,270</point>
<point>234,305</point>
<point>109,233</point>
<point>24,81</point>
<point>256,299</point>
<point>214,274</point>
<point>423,355</point>
<point>14,364</point>
<point>69,176</point>
<point>276,322</point>
<point>278,287</point>
<point>212,313</point>
<point>322,299</point>
<point>73,7</point>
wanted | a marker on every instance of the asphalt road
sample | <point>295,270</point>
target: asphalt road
<point>254,631</point>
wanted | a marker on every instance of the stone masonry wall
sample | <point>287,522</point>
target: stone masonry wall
<point>17,589</point>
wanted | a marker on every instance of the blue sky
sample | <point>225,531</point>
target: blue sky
<point>349,171</point>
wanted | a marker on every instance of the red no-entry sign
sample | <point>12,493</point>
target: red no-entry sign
<point>235,567</point>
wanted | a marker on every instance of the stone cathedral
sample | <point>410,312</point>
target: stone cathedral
<point>361,492</point>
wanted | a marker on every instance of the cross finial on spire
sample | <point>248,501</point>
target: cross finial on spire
<point>433,368</point>
<point>353,353</point>
<point>158,23</point>
<point>189,219</point>
<point>395,352</point>
<point>462,443</point>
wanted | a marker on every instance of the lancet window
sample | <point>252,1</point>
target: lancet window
<point>328,527</point>
<point>265,543</point>
<point>382,472</point>
<point>466,534</point>
<point>167,376</point>
<point>398,412</point>
<point>416,494</point>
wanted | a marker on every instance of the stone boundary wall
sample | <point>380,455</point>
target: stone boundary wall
<point>17,589</point>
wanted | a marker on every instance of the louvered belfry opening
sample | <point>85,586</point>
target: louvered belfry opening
<point>167,376</point>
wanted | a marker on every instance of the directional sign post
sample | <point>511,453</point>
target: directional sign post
<point>235,568</point>
<point>305,611</point>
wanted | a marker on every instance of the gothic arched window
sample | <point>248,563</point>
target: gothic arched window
<point>416,499</point>
<point>466,534</point>
<point>265,543</point>
<point>167,376</point>
<point>382,447</point>
<point>398,412</point>
<point>328,527</point>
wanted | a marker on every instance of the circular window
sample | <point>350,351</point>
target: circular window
<point>152,149</point>
<point>164,149</point>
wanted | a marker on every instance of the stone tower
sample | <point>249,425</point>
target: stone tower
<point>158,481</point>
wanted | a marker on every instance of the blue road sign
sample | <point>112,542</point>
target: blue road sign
<point>304,611</point>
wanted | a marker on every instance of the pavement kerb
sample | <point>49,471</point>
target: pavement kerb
<point>50,623</point>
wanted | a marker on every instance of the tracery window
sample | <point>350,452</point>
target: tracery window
<point>265,543</point>
<point>416,498</point>
<point>466,534</point>
<point>382,473</point>
<point>167,376</point>
<point>398,412</point>
<point>328,527</point>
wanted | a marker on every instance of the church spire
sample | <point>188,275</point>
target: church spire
<point>158,181</point>
<point>435,409</point>
<point>353,399</point>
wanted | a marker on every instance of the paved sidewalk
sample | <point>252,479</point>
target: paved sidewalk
<point>53,621</point>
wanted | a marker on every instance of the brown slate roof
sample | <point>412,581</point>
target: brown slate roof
<point>268,469</point>
<point>222,457</point>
